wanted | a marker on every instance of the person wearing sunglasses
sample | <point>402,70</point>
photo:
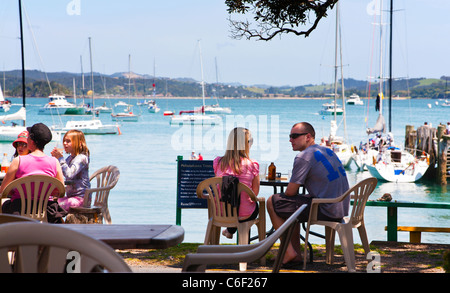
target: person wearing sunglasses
<point>21,144</point>
<point>321,172</point>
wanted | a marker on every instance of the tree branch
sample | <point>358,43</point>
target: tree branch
<point>276,17</point>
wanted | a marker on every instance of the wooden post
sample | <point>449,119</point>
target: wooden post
<point>409,137</point>
<point>442,156</point>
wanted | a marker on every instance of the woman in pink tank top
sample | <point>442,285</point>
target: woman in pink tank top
<point>237,162</point>
<point>35,163</point>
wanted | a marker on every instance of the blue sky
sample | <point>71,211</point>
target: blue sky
<point>166,33</point>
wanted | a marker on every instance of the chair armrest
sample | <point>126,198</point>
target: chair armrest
<point>326,200</point>
<point>226,248</point>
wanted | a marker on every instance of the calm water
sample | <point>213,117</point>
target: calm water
<point>146,154</point>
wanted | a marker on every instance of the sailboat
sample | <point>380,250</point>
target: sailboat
<point>91,126</point>
<point>5,105</point>
<point>339,144</point>
<point>198,115</point>
<point>392,164</point>
<point>151,105</point>
<point>216,108</point>
<point>127,115</point>
<point>9,133</point>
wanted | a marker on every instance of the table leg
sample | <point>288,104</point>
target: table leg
<point>392,223</point>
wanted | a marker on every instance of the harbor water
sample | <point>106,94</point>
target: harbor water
<point>146,154</point>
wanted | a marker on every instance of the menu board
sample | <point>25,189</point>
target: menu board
<point>190,174</point>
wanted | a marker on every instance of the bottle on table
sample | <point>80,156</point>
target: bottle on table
<point>272,171</point>
<point>5,163</point>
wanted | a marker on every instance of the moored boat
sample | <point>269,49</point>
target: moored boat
<point>354,99</point>
<point>58,105</point>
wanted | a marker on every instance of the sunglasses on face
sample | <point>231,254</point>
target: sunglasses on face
<point>296,135</point>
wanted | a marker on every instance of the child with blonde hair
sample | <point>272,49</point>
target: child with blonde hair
<point>75,168</point>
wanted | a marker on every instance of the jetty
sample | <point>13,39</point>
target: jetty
<point>435,143</point>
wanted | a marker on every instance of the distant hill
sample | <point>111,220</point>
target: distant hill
<point>117,84</point>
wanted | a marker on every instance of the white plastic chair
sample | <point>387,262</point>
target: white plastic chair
<point>229,254</point>
<point>106,178</point>
<point>223,215</point>
<point>35,191</point>
<point>50,248</point>
<point>359,193</point>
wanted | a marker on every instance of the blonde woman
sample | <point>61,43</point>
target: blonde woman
<point>75,168</point>
<point>237,162</point>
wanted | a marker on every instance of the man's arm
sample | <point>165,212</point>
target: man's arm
<point>292,189</point>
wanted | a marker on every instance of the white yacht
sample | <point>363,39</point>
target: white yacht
<point>354,99</point>
<point>58,105</point>
<point>331,108</point>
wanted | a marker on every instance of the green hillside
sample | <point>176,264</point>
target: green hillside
<point>142,86</point>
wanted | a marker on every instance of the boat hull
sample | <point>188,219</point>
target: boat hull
<point>125,118</point>
<point>89,127</point>
<point>391,174</point>
<point>196,120</point>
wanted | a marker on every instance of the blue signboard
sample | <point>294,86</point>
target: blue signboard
<point>190,174</point>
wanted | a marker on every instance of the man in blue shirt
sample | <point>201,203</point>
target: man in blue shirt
<point>320,171</point>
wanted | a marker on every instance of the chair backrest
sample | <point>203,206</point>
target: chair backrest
<point>49,248</point>
<point>360,194</point>
<point>35,191</point>
<point>106,178</point>
<point>8,218</point>
<point>220,210</point>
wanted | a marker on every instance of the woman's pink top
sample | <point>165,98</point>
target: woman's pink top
<point>34,165</point>
<point>249,170</point>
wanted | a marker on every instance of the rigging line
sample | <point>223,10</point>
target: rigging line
<point>370,70</point>
<point>37,49</point>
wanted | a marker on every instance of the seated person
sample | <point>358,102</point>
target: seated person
<point>35,163</point>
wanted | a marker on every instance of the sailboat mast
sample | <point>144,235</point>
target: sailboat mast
<point>381,58</point>
<point>23,56</point>
<point>390,65</point>
<point>92,72</point>
<point>342,76</point>
<point>336,59</point>
<point>129,77</point>
<point>201,67</point>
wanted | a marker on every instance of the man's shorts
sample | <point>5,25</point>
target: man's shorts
<point>284,206</point>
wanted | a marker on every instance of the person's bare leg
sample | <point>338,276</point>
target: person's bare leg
<point>293,250</point>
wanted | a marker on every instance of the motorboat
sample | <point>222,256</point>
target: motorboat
<point>89,127</point>
<point>58,105</point>
<point>331,109</point>
<point>354,99</point>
